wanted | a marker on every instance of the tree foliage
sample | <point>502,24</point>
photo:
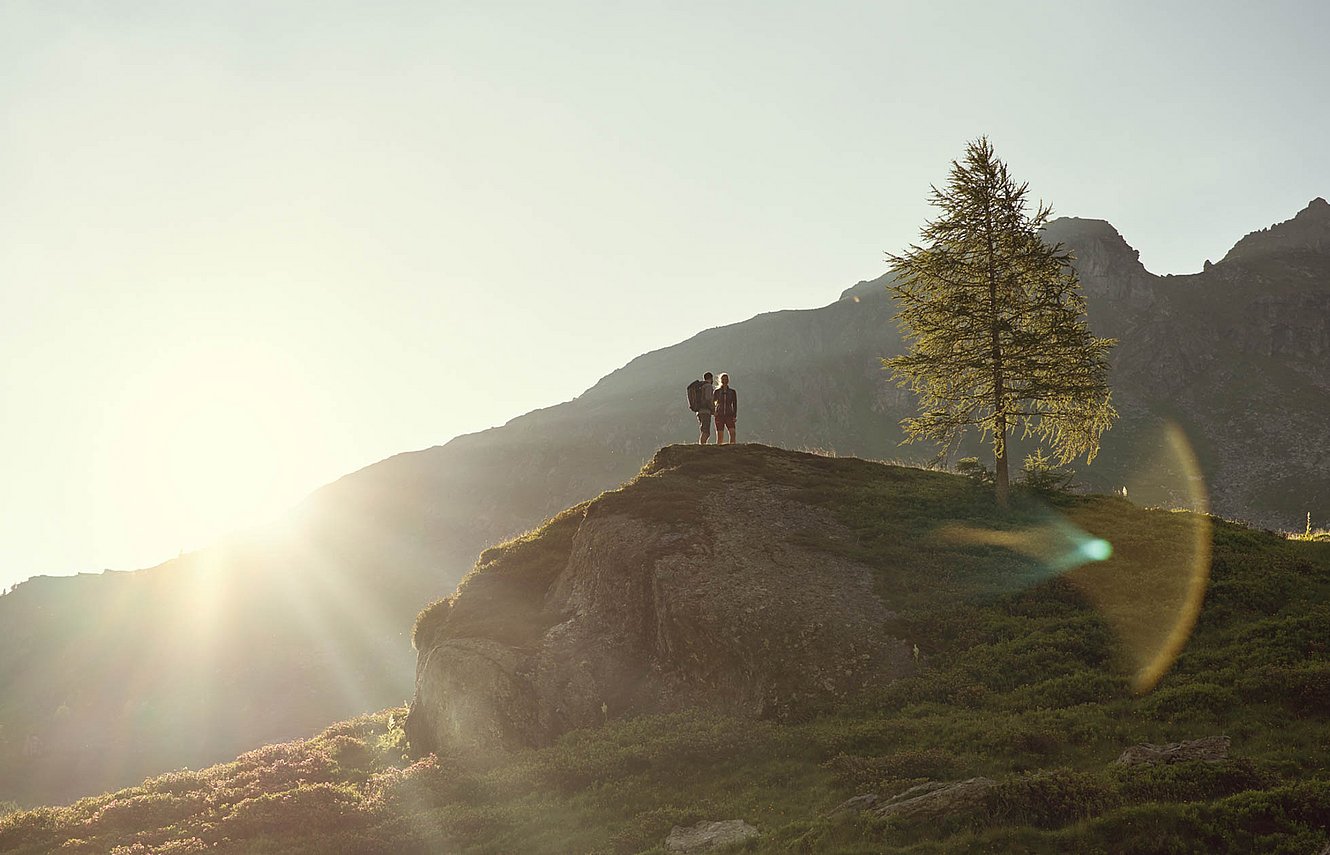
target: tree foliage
<point>995,323</point>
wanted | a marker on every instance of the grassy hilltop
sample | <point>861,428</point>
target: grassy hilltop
<point>1027,655</point>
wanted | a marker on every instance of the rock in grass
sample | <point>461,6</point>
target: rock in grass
<point>1211,749</point>
<point>938,799</point>
<point>857,804</point>
<point>706,836</point>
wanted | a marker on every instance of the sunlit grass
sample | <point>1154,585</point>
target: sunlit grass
<point>1025,678</point>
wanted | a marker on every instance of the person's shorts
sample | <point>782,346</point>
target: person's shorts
<point>722,423</point>
<point>704,419</point>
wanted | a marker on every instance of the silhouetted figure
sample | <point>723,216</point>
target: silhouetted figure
<point>700,401</point>
<point>726,409</point>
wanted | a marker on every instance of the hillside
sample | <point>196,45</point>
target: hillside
<point>1234,356</point>
<point>1022,689</point>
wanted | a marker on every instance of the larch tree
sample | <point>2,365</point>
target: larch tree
<point>995,323</point>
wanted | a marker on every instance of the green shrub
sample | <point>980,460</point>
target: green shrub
<point>1261,592</point>
<point>1285,640</point>
<point>302,810</point>
<point>32,828</point>
<point>971,468</point>
<point>650,827</point>
<point>1048,799</point>
<point>893,772</point>
<point>179,782</point>
<point>1188,702</point>
<point>1080,687</point>
<point>427,784</point>
<point>1273,820</point>
<point>1187,782</point>
<point>143,812</point>
<point>1040,741</point>
<point>1303,688</point>
<point>1041,474</point>
<point>667,747</point>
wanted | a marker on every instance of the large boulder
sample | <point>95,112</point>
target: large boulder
<point>706,582</point>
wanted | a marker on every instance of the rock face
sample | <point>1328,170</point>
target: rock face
<point>1309,231</point>
<point>706,836</point>
<point>1211,749</point>
<point>691,586</point>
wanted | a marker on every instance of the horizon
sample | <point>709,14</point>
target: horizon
<point>255,250</point>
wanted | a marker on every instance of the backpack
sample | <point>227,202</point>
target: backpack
<point>699,396</point>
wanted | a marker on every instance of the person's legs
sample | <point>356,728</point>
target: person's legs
<point>704,424</point>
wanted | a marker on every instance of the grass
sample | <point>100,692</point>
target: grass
<point>1026,679</point>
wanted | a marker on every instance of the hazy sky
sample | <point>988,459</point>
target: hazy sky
<point>246,248</point>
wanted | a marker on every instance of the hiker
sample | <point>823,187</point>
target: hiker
<point>700,401</point>
<point>726,409</point>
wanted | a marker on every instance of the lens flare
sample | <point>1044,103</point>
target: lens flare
<point>1096,549</point>
<point>1145,571</point>
<point>1151,590</point>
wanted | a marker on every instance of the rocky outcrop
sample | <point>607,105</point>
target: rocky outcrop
<point>937,800</point>
<point>706,836</point>
<point>1309,231</point>
<point>693,586</point>
<point>1109,269</point>
<point>1211,749</point>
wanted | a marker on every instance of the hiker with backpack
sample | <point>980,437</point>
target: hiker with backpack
<point>700,401</point>
<point>725,408</point>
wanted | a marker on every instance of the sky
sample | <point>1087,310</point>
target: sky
<point>249,247</point>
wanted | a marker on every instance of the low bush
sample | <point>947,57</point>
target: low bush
<point>893,772</point>
<point>1303,688</point>
<point>1189,702</point>
<point>664,747</point>
<point>301,810</point>
<point>1049,799</point>
<point>1188,782</point>
<point>1080,687</point>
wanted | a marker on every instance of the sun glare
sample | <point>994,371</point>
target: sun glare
<point>210,438</point>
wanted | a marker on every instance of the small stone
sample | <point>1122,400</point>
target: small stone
<point>937,799</point>
<point>706,836</point>
<point>1211,749</point>
<point>857,804</point>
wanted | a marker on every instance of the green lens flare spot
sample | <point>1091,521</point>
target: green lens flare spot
<point>1096,549</point>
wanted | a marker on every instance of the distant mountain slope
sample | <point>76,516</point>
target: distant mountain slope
<point>1236,355</point>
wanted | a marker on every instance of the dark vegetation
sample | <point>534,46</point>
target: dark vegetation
<point>1022,681</point>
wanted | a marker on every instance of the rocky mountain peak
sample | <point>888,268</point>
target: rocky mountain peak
<point>1309,231</point>
<point>1099,248</point>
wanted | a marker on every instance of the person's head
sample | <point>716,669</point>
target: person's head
<point>724,379</point>
<point>707,377</point>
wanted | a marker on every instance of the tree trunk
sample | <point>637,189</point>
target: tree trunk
<point>1000,486</point>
